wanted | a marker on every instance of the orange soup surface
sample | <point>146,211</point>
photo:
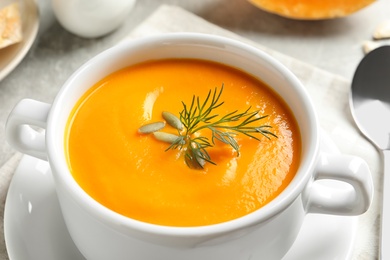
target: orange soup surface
<point>135,175</point>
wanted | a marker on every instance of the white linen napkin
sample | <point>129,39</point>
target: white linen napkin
<point>330,94</point>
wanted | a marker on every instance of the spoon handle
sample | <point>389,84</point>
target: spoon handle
<point>385,218</point>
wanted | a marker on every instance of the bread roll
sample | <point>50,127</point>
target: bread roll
<point>10,25</point>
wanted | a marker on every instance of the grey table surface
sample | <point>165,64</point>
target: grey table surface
<point>333,45</point>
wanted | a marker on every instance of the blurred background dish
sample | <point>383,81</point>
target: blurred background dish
<point>311,9</point>
<point>11,56</point>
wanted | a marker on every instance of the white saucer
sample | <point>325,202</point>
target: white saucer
<point>12,55</point>
<point>35,230</point>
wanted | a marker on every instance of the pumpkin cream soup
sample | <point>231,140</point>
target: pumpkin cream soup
<point>229,167</point>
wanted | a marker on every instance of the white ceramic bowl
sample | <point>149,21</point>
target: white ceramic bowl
<point>269,232</point>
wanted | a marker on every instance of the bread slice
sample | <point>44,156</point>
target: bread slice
<point>10,25</point>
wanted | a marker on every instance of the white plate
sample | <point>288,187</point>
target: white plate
<point>12,55</point>
<point>35,230</point>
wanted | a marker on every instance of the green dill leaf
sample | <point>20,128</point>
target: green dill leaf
<point>201,115</point>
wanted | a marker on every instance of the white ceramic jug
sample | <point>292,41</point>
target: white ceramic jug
<point>91,18</point>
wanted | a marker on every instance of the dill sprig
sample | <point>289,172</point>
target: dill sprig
<point>199,115</point>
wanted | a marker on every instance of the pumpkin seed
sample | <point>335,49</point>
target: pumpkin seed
<point>150,128</point>
<point>173,120</point>
<point>166,137</point>
<point>194,161</point>
<point>382,31</point>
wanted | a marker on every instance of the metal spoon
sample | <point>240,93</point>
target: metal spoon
<point>370,106</point>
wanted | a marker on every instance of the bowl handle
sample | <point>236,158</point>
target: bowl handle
<point>19,131</point>
<point>342,186</point>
